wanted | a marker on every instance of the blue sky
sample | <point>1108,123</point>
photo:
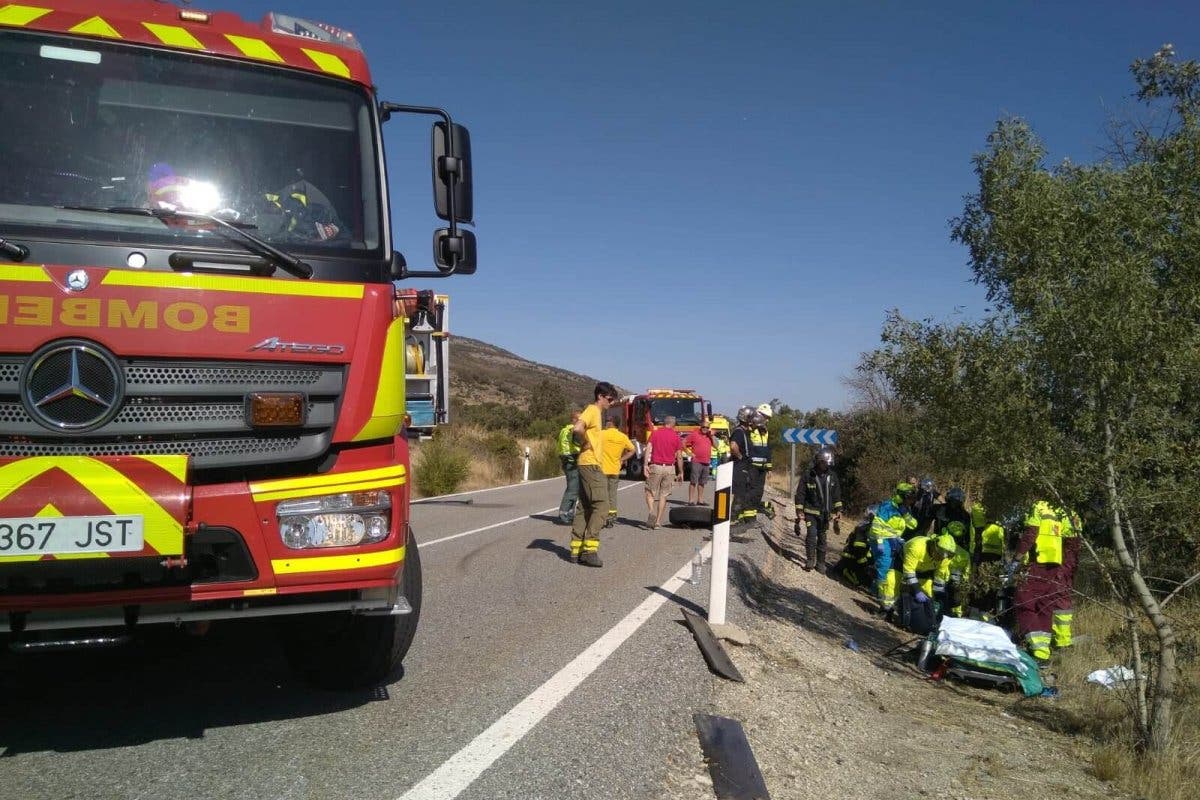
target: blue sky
<point>729,196</point>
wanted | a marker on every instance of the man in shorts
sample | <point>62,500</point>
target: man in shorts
<point>701,444</point>
<point>663,461</point>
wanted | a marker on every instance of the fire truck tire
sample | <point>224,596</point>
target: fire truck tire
<point>633,469</point>
<point>349,651</point>
<point>691,516</point>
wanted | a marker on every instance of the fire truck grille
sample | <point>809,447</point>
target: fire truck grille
<point>192,408</point>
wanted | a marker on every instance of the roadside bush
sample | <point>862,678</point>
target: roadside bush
<point>543,461</point>
<point>503,452</point>
<point>440,467</point>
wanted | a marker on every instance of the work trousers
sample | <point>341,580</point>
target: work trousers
<point>888,553</point>
<point>1037,599</point>
<point>566,508</point>
<point>814,542</point>
<point>614,483</point>
<point>743,508</point>
<point>1064,612</point>
<point>593,498</point>
<point>758,482</point>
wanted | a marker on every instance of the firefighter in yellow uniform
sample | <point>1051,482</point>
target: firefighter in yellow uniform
<point>988,546</point>
<point>720,451</point>
<point>760,461</point>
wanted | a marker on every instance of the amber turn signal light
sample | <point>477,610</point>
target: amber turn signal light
<point>276,409</point>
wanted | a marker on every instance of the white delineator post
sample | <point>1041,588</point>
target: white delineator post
<point>525,472</point>
<point>718,576</point>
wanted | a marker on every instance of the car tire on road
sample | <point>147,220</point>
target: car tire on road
<point>633,469</point>
<point>691,516</point>
<point>341,650</point>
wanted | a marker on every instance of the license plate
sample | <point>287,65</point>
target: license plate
<point>55,535</point>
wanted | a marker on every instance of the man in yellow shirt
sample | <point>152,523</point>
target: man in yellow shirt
<point>616,450</point>
<point>593,486</point>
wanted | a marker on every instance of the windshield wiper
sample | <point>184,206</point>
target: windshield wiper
<point>263,248</point>
<point>14,251</point>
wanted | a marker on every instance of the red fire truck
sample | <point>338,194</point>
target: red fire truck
<point>203,348</point>
<point>642,413</point>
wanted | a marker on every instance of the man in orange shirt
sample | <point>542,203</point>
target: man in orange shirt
<point>593,485</point>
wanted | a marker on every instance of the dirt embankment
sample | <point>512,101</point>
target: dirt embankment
<point>827,721</point>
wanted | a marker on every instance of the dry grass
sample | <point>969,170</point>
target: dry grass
<point>1105,715</point>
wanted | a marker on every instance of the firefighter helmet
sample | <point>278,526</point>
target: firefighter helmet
<point>824,455</point>
<point>745,415</point>
<point>765,410</point>
<point>956,495</point>
<point>946,544</point>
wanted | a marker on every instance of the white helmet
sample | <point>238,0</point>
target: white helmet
<point>765,410</point>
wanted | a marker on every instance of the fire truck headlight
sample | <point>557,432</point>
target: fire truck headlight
<point>340,520</point>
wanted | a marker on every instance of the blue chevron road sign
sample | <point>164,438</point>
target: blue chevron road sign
<point>809,436</point>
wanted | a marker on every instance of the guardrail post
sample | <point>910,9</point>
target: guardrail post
<point>525,472</point>
<point>719,569</point>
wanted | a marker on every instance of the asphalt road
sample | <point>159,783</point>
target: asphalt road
<point>510,690</point>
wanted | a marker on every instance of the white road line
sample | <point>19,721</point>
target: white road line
<point>459,771</point>
<point>501,524</point>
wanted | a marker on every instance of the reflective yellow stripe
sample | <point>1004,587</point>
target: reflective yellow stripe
<point>96,27</point>
<point>20,16</point>
<point>329,482</point>
<point>254,48</point>
<point>387,415</point>
<point>229,283</point>
<point>174,35</point>
<point>28,274</point>
<point>328,62</point>
<point>259,592</point>
<point>291,494</point>
<point>292,566</point>
<point>113,488</point>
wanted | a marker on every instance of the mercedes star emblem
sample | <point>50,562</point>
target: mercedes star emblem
<point>77,281</point>
<point>72,385</point>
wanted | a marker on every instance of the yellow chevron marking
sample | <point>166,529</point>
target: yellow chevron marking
<point>174,36</point>
<point>328,62</point>
<point>110,486</point>
<point>20,16</point>
<point>254,48</point>
<point>96,27</point>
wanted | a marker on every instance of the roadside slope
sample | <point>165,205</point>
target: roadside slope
<point>826,721</point>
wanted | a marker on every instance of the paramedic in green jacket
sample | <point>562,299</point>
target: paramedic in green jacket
<point>568,454</point>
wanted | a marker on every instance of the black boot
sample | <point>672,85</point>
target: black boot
<point>591,560</point>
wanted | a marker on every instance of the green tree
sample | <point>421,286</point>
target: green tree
<point>1082,384</point>
<point>548,401</point>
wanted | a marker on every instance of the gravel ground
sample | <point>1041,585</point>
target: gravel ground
<point>828,722</point>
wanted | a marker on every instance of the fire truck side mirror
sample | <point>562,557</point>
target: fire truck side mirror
<point>454,254</point>
<point>708,409</point>
<point>452,192</point>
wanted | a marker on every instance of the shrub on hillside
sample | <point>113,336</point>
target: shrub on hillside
<point>502,449</point>
<point>441,467</point>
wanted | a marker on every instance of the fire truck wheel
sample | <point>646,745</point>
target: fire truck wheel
<point>691,516</point>
<point>348,651</point>
<point>633,469</point>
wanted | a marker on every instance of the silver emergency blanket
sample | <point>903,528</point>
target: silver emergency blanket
<point>978,641</point>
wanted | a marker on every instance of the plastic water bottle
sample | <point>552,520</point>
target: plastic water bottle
<point>697,567</point>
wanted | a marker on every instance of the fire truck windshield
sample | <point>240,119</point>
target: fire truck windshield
<point>91,125</point>
<point>686,411</point>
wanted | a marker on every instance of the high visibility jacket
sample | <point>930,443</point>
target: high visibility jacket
<point>891,521</point>
<point>988,540</point>
<point>954,569</point>
<point>922,559</point>
<point>760,449</point>
<point>721,449</point>
<point>566,441</point>
<point>1043,539</point>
